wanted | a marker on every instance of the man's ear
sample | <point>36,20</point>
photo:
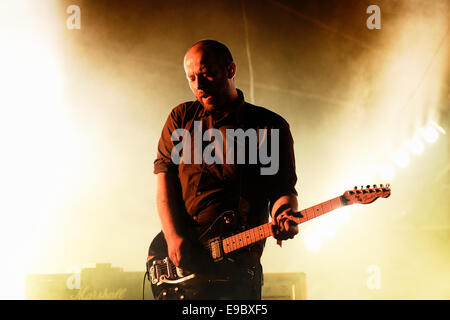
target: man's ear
<point>231,70</point>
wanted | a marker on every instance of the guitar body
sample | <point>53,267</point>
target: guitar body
<point>181,285</point>
<point>171,283</point>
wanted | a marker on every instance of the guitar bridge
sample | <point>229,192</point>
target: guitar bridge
<point>164,271</point>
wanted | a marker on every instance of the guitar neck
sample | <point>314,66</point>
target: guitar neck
<point>264,231</point>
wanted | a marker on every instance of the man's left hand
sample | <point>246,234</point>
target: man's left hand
<point>284,226</point>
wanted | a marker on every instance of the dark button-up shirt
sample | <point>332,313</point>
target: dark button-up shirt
<point>209,188</point>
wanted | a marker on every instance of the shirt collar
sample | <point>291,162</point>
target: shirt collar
<point>237,111</point>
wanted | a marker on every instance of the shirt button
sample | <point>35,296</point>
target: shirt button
<point>195,218</point>
<point>198,193</point>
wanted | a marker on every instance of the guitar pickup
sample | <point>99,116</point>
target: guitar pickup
<point>215,248</point>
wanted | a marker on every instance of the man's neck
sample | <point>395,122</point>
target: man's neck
<point>228,107</point>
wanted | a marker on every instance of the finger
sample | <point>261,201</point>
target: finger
<point>278,233</point>
<point>174,258</point>
<point>289,229</point>
<point>287,225</point>
<point>275,228</point>
<point>296,214</point>
<point>293,232</point>
<point>293,229</point>
<point>283,235</point>
<point>280,217</point>
<point>286,236</point>
<point>291,224</point>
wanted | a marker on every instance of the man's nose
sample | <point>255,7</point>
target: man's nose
<point>200,83</point>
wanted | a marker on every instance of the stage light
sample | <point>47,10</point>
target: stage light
<point>342,215</point>
<point>429,133</point>
<point>41,156</point>
<point>325,227</point>
<point>415,146</point>
<point>312,240</point>
<point>401,158</point>
<point>438,127</point>
<point>386,171</point>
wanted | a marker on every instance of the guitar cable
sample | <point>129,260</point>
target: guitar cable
<point>146,275</point>
<point>143,284</point>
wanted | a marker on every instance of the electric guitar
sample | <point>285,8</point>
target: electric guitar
<point>171,282</point>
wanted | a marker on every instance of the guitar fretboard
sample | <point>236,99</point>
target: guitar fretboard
<point>261,232</point>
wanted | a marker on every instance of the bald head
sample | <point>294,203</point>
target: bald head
<point>210,71</point>
<point>213,49</point>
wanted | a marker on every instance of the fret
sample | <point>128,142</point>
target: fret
<point>270,229</point>
<point>226,245</point>
<point>252,231</point>
<point>266,230</point>
<point>244,238</point>
<point>233,243</point>
<point>245,235</point>
<point>240,240</point>
<point>260,233</point>
<point>304,218</point>
<point>336,203</point>
<point>236,238</point>
<point>326,206</point>
<point>252,235</point>
<point>318,210</point>
<point>256,232</point>
<point>310,213</point>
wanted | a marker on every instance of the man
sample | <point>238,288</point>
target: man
<point>193,192</point>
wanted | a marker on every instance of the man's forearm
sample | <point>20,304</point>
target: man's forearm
<point>170,213</point>
<point>167,204</point>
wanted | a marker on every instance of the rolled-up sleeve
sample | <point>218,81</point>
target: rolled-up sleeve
<point>163,162</point>
<point>284,181</point>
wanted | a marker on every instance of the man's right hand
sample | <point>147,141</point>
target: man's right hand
<point>185,254</point>
<point>179,249</point>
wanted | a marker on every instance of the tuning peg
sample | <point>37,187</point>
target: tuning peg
<point>381,185</point>
<point>355,187</point>
<point>368,186</point>
<point>374,185</point>
<point>362,187</point>
<point>388,185</point>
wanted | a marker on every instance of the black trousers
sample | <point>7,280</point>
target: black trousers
<point>243,285</point>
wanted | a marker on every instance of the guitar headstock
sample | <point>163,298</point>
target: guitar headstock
<point>366,195</point>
